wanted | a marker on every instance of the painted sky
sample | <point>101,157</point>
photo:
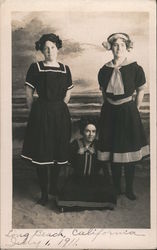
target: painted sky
<point>82,34</point>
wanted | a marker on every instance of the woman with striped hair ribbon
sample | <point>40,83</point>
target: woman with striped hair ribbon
<point>122,140</point>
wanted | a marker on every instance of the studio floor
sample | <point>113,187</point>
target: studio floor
<point>28,214</point>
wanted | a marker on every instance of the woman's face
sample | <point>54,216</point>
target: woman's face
<point>50,51</point>
<point>89,133</point>
<point>119,48</point>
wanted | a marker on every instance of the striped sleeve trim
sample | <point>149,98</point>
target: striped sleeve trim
<point>29,84</point>
<point>70,87</point>
<point>142,87</point>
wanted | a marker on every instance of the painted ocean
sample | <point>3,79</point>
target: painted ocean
<point>79,105</point>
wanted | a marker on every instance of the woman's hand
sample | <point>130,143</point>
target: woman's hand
<point>29,96</point>
<point>139,97</point>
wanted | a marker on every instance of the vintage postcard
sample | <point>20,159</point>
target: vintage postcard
<point>78,124</point>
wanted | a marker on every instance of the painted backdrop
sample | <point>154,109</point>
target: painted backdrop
<point>82,34</point>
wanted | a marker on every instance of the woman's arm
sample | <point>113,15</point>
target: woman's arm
<point>104,96</point>
<point>139,97</point>
<point>29,96</point>
<point>67,97</point>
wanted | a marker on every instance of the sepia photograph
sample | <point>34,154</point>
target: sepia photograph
<point>80,137</point>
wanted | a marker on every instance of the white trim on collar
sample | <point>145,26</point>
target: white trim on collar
<point>124,63</point>
<point>47,70</point>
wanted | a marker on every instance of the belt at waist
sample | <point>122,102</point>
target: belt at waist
<point>118,102</point>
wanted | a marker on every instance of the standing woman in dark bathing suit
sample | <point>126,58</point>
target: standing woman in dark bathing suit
<point>48,132</point>
<point>122,139</point>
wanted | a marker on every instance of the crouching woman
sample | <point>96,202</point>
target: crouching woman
<point>86,188</point>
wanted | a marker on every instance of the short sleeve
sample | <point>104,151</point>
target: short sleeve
<point>69,79</point>
<point>31,76</point>
<point>140,77</point>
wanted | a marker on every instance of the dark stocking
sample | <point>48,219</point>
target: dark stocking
<point>54,177</point>
<point>42,173</point>
<point>129,178</point>
<point>116,170</point>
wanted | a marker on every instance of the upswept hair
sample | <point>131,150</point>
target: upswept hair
<point>112,38</point>
<point>84,121</point>
<point>129,43</point>
<point>125,37</point>
<point>39,45</point>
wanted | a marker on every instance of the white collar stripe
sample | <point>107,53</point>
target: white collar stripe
<point>47,70</point>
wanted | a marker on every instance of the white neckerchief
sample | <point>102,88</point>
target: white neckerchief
<point>83,149</point>
<point>115,85</point>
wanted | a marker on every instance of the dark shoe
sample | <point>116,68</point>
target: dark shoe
<point>131,196</point>
<point>118,191</point>
<point>43,200</point>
